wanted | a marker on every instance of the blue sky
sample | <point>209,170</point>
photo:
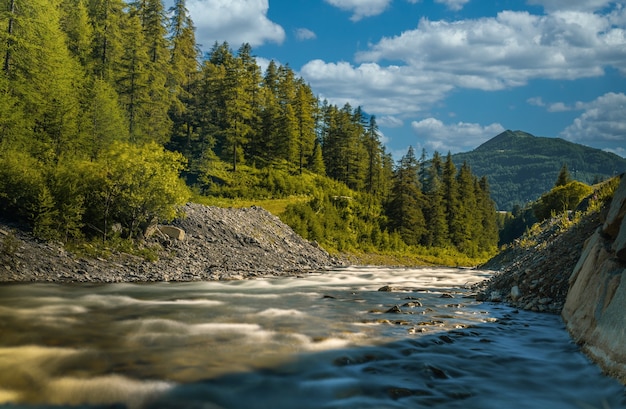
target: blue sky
<point>446,75</point>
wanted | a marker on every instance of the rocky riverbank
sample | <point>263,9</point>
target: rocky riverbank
<point>533,274</point>
<point>209,243</point>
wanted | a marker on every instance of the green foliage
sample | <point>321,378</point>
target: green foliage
<point>93,92</point>
<point>561,199</point>
<point>137,186</point>
<point>22,182</point>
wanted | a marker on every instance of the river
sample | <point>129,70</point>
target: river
<point>323,340</point>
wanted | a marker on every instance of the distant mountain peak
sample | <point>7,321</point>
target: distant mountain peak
<point>504,140</point>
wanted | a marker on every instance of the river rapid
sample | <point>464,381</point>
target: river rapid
<point>322,340</point>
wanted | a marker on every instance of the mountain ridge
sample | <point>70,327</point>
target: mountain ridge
<point>520,167</point>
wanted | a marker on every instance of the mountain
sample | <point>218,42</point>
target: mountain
<point>521,167</point>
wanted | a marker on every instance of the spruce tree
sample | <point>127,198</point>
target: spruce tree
<point>564,176</point>
<point>405,207</point>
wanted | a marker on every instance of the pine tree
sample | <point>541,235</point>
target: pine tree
<point>305,112</point>
<point>133,79</point>
<point>42,77</point>
<point>107,18</point>
<point>436,209</point>
<point>405,208</point>
<point>156,122</point>
<point>450,193</point>
<point>468,219</point>
<point>564,176</point>
<point>75,23</point>
<point>374,151</point>
<point>183,81</point>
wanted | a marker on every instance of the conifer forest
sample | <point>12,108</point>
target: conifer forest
<point>111,117</point>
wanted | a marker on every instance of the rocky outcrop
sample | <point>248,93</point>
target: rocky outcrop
<point>595,308</point>
<point>209,243</point>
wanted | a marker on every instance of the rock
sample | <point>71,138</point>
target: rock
<point>495,296</point>
<point>386,288</point>
<point>619,245</point>
<point>173,232</point>
<point>394,310</point>
<point>617,211</point>
<point>515,293</point>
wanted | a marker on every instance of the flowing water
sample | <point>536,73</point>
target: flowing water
<point>324,340</point>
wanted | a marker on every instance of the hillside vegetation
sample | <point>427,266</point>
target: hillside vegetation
<point>521,167</point>
<point>111,120</point>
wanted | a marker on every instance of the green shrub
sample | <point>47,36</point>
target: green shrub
<point>561,199</point>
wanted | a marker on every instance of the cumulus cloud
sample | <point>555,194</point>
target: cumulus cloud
<point>458,137</point>
<point>491,53</point>
<point>361,8</point>
<point>603,120</point>
<point>234,21</point>
<point>388,90</point>
<point>454,5</point>
<point>508,50</point>
<point>305,34</point>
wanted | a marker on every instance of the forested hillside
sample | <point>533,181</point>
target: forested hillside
<point>110,119</point>
<point>521,167</point>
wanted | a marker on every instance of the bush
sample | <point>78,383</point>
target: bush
<point>560,199</point>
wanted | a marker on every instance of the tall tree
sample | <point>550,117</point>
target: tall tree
<point>374,151</point>
<point>436,208</point>
<point>107,19</point>
<point>133,79</point>
<point>75,23</point>
<point>306,113</point>
<point>405,208</point>
<point>183,82</point>
<point>451,198</point>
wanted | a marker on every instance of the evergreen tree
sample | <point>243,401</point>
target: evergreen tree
<point>436,218</point>
<point>405,208</point>
<point>183,81</point>
<point>133,79</point>
<point>42,77</point>
<point>564,176</point>
<point>451,199</point>
<point>374,151</point>
<point>305,104</point>
<point>107,19</point>
<point>75,23</point>
<point>468,218</point>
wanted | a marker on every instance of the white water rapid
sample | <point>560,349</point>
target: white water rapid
<point>323,340</point>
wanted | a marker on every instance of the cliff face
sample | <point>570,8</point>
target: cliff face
<point>595,307</point>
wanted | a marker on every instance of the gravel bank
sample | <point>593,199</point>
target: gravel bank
<point>218,244</point>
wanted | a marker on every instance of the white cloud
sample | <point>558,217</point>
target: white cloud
<point>305,34</point>
<point>489,54</point>
<point>508,50</point>
<point>536,101</point>
<point>389,90</point>
<point>585,5</point>
<point>458,137</point>
<point>234,21</point>
<point>604,121</point>
<point>361,8</point>
<point>454,5</point>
